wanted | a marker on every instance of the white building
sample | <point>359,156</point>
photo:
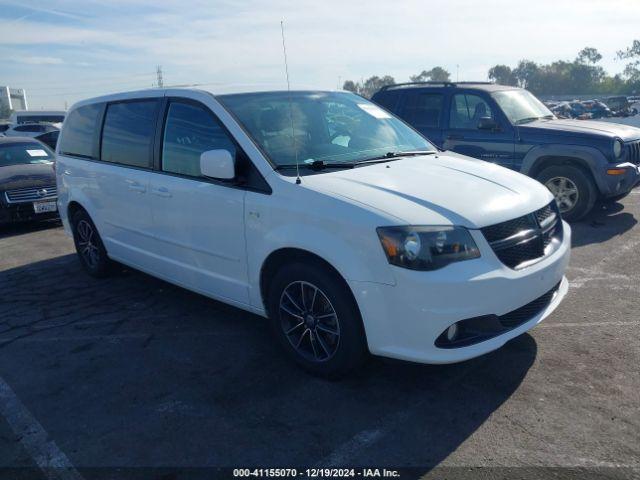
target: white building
<point>14,98</point>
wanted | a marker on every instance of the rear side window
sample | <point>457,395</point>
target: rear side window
<point>422,109</point>
<point>79,131</point>
<point>127,135</point>
<point>189,131</point>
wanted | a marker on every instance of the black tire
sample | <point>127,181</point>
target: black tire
<point>339,354</point>
<point>586,190</point>
<point>93,256</point>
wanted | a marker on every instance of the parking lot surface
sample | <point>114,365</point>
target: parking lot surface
<point>131,371</point>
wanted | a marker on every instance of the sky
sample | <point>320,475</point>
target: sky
<point>62,51</point>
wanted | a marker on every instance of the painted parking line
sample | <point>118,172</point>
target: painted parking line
<point>32,437</point>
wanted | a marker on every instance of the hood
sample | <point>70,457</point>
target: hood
<point>583,127</point>
<point>443,189</point>
<point>26,175</point>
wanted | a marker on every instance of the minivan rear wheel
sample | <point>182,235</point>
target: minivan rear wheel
<point>91,252</point>
<point>574,191</point>
<point>315,319</point>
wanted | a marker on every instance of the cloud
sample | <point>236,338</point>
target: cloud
<point>39,60</point>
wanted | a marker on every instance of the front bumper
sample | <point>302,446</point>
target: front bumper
<point>404,320</point>
<point>23,212</point>
<point>621,183</point>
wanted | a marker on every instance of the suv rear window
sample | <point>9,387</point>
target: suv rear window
<point>79,131</point>
<point>128,132</point>
<point>422,109</point>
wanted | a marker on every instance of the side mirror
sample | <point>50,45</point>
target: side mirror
<point>488,123</point>
<point>218,164</point>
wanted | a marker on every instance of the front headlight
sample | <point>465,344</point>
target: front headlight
<point>427,248</point>
<point>617,148</point>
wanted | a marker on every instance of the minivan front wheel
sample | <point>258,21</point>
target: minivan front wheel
<point>572,188</point>
<point>91,252</point>
<point>316,320</point>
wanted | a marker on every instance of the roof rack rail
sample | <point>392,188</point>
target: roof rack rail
<point>446,84</point>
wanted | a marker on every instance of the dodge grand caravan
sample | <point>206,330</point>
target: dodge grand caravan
<point>318,210</point>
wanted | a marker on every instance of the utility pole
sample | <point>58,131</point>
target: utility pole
<point>159,74</point>
<point>457,72</point>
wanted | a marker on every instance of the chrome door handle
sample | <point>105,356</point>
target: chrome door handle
<point>161,192</point>
<point>136,187</point>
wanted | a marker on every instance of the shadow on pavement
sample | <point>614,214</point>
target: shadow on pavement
<point>607,220</point>
<point>133,372</point>
<point>22,228</point>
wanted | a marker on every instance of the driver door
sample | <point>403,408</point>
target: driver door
<point>463,136</point>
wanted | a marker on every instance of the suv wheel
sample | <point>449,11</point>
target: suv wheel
<point>573,189</point>
<point>316,320</point>
<point>89,246</point>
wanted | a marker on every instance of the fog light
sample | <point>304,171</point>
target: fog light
<point>452,332</point>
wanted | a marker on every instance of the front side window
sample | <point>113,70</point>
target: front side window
<point>189,131</point>
<point>24,153</point>
<point>520,106</point>
<point>321,127</point>
<point>467,110</point>
<point>128,130</point>
<point>422,110</point>
<point>79,131</point>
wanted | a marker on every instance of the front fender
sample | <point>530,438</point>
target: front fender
<point>589,157</point>
<point>356,257</point>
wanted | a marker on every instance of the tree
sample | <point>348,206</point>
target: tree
<point>503,75</point>
<point>436,74</point>
<point>370,86</point>
<point>350,86</point>
<point>588,55</point>
<point>526,73</point>
<point>632,70</point>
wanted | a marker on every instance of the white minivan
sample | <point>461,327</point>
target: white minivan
<point>321,211</point>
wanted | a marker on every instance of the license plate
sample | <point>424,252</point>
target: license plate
<point>44,207</point>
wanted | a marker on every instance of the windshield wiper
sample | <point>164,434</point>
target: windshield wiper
<point>527,120</point>
<point>390,156</point>
<point>315,165</point>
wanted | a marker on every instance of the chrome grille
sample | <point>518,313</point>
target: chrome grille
<point>524,240</point>
<point>31,194</point>
<point>634,152</point>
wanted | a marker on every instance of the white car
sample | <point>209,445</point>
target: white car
<point>318,210</point>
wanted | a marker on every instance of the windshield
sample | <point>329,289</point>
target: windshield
<point>521,106</point>
<point>332,128</point>
<point>24,153</point>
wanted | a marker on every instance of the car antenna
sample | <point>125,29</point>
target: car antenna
<point>293,132</point>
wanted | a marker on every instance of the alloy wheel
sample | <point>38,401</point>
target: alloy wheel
<point>309,321</point>
<point>86,243</point>
<point>565,191</point>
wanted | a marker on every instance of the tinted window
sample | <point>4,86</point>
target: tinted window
<point>467,110</point>
<point>422,110</point>
<point>189,131</point>
<point>128,132</point>
<point>29,128</point>
<point>41,118</point>
<point>79,130</point>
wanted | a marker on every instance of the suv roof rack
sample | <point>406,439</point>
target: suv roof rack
<point>446,84</point>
